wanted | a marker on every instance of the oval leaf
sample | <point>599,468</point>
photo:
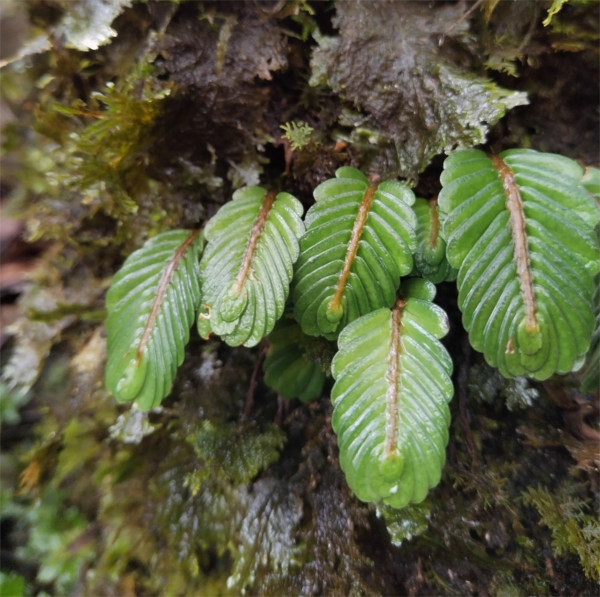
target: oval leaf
<point>151,305</point>
<point>391,399</point>
<point>360,238</point>
<point>248,265</point>
<point>520,228</point>
<point>288,368</point>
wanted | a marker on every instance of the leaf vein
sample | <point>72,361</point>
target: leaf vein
<point>162,290</point>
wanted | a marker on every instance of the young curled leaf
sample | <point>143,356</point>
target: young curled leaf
<point>151,305</point>
<point>430,257</point>
<point>248,264</point>
<point>520,228</point>
<point>391,397</point>
<point>289,370</point>
<point>360,238</point>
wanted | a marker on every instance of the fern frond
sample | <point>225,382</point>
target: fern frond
<point>248,264</point>
<point>151,305</point>
<point>430,257</point>
<point>288,369</point>
<point>391,398</point>
<point>520,227</point>
<point>360,238</point>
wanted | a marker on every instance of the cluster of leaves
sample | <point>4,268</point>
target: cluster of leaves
<point>501,218</point>
<point>214,119</point>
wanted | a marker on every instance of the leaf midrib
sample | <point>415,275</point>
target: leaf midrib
<point>255,234</point>
<point>435,223</point>
<point>393,375</point>
<point>161,291</point>
<point>357,229</point>
<point>514,206</point>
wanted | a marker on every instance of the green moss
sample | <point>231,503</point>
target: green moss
<point>109,155</point>
<point>575,528</point>
<point>297,133</point>
<point>233,452</point>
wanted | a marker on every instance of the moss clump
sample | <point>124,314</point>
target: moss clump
<point>575,528</point>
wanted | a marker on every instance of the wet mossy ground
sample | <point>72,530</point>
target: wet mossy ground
<point>225,490</point>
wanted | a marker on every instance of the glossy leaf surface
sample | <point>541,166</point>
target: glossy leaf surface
<point>151,305</point>
<point>288,368</point>
<point>360,238</point>
<point>430,257</point>
<point>248,265</point>
<point>520,227</point>
<point>391,398</point>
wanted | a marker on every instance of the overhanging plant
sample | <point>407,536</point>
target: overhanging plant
<point>516,230</point>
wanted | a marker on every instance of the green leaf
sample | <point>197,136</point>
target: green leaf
<point>591,181</point>
<point>590,382</point>
<point>248,265</point>
<point>360,238</point>
<point>151,304</point>
<point>288,369</point>
<point>430,257</point>
<point>391,399</point>
<point>520,228</point>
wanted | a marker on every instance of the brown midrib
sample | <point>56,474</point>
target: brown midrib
<point>357,229</point>
<point>162,290</point>
<point>255,234</point>
<point>393,374</point>
<point>435,223</point>
<point>514,205</point>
